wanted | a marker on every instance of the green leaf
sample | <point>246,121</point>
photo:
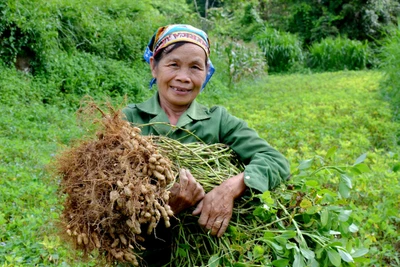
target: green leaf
<point>275,246</point>
<point>291,245</point>
<point>258,251</point>
<point>324,217</point>
<point>312,183</point>
<point>360,159</point>
<point>298,260</point>
<point>313,263</point>
<point>347,180</point>
<point>313,210</point>
<point>266,198</point>
<point>280,263</point>
<point>2,219</point>
<point>334,257</point>
<point>305,164</point>
<point>281,240</point>
<point>344,215</point>
<point>331,152</point>
<point>305,203</point>
<point>362,168</point>
<point>396,167</point>
<point>345,256</point>
<point>213,261</point>
<point>288,234</point>
<point>262,213</point>
<point>353,228</point>
<point>307,253</point>
<point>359,253</point>
<point>268,235</point>
<point>250,255</point>
<point>182,253</point>
<point>344,190</point>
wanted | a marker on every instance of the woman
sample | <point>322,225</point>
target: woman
<point>179,58</point>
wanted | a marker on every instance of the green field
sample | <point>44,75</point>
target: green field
<point>336,116</point>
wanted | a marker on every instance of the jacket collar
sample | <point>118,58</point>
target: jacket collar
<point>195,111</point>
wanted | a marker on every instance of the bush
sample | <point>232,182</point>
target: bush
<point>15,88</point>
<point>338,54</point>
<point>237,60</point>
<point>391,66</point>
<point>74,76</point>
<point>281,50</point>
<point>116,29</point>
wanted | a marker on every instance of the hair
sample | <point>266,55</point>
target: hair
<point>166,50</point>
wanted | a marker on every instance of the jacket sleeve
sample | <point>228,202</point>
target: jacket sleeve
<point>265,167</point>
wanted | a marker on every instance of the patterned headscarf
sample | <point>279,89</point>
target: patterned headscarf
<point>171,34</point>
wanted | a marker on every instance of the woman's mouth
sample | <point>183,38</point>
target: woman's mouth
<point>179,89</point>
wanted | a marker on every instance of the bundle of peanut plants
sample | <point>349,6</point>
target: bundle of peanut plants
<point>116,188</point>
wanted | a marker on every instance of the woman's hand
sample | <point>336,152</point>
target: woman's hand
<point>217,205</point>
<point>186,193</point>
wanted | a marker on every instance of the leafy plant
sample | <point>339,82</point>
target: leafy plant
<point>338,54</point>
<point>241,60</point>
<point>281,50</point>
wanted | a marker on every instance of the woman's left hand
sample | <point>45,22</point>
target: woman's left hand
<point>216,207</point>
<point>186,193</point>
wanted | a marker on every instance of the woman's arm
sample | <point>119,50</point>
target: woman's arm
<point>265,167</point>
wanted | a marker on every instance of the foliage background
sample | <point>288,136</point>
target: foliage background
<point>53,53</point>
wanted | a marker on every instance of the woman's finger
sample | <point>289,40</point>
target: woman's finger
<point>223,228</point>
<point>183,179</point>
<point>194,188</point>
<point>216,226</point>
<point>198,209</point>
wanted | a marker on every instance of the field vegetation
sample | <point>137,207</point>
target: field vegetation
<point>340,130</point>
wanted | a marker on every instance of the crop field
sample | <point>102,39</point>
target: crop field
<point>323,123</point>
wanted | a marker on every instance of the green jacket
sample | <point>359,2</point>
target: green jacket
<point>265,167</point>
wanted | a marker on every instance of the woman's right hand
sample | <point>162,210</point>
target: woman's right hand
<point>186,193</point>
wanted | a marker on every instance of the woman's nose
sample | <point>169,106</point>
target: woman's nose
<point>183,75</point>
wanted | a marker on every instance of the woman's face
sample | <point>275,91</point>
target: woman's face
<point>180,75</point>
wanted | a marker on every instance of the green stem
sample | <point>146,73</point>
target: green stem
<point>303,241</point>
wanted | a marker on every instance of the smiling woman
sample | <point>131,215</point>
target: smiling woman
<point>179,58</point>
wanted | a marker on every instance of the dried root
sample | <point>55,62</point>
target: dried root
<point>116,189</point>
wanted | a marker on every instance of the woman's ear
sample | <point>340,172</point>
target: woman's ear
<point>153,67</point>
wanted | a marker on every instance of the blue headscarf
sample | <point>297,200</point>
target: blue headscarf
<point>171,34</point>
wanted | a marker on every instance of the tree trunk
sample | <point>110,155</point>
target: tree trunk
<point>205,9</point>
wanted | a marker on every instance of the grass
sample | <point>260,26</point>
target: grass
<point>301,115</point>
